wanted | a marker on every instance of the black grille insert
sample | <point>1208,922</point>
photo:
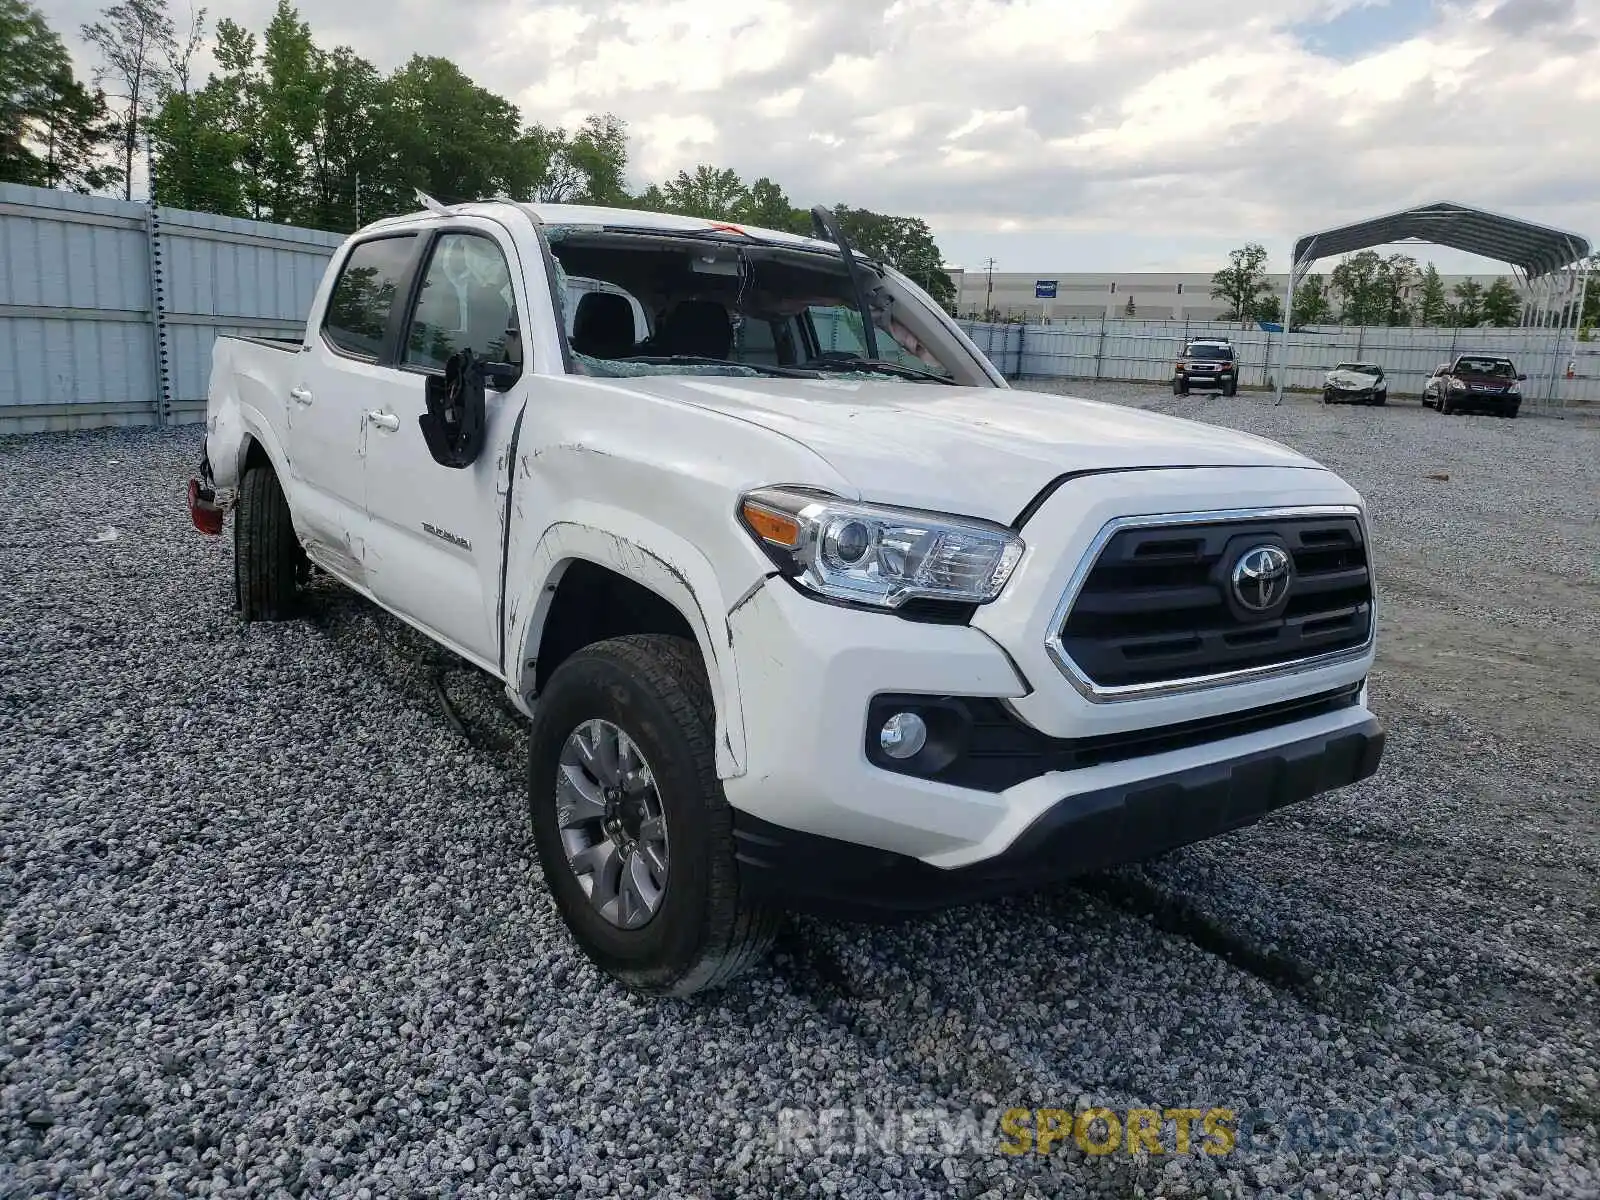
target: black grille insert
<point>1157,604</point>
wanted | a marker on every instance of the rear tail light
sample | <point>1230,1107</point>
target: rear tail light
<point>203,509</point>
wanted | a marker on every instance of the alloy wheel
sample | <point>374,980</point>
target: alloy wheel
<point>613,829</point>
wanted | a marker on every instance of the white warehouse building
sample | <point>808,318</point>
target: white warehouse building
<point>1156,295</point>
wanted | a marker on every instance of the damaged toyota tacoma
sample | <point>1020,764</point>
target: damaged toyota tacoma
<point>807,607</point>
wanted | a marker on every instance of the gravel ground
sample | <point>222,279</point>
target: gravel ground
<point>271,925</point>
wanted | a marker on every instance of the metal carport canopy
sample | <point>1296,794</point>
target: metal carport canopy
<point>1533,251</point>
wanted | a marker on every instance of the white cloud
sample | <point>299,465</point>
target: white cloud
<point>1143,122</point>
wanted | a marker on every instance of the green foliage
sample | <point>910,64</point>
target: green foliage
<point>1311,303</point>
<point>1241,283</point>
<point>1501,304</point>
<point>1468,308</point>
<point>1374,290</point>
<point>1268,307</point>
<point>52,128</point>
<point>905,243</point>
<point>1433,306</point>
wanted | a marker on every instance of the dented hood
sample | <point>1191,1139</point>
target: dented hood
<point>982,451</point>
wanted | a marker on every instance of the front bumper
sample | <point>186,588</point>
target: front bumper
<point>1084,831</point>
<point>1204,378</point>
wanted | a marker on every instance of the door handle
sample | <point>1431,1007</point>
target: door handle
<point>300,395</point>
<point>383,420</point>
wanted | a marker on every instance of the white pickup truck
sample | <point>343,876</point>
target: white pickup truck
<point>808,608</point>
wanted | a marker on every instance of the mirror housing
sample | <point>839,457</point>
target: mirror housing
<point>1522,378</point>
<point>500,375</point>
<point>454,427</point>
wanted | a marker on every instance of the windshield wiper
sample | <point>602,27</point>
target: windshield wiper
<point>702,360</point>
<point>878,366</point>
<point>828,229</point>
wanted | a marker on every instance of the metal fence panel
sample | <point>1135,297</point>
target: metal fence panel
<point>76,328</point>
<point>79,334</point>
<point>1135,350</point>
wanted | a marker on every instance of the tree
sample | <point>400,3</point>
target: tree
<point>1399,277</point>
<point>1311,305</point>
<point>1128,309</point>
<point>1242,281</point>
<point>292,82</point>
<point>195,155</point>
<point>1267,308</point>
<point>1468,308</point>
<point>1501,304</point>
<point>1362,288</point>
<point>135,39</point>
<point>51,128</point>
<point>905,243</point>
<point>1433,307</point>
<point>717,195</point>
<point>767,206</point>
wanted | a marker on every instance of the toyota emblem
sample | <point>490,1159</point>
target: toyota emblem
<point>1261,578</point>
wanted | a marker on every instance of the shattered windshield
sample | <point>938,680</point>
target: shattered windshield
<point>646,302</point>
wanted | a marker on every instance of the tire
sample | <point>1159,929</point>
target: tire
<point>1446,405</point>
<point>1380,398</point>
<point>1327,395</point>
<point>1231,388</point>
<point>1180,387</point>
<point>267,559</point>
<point>1510,412</point>
<point>705,931</point>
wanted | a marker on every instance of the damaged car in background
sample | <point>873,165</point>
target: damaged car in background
<point>806,607</point>
<point>1355,383</point>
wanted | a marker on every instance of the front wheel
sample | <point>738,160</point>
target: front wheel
<point>1231,388</point>
<point>1327,395</point>
<point>630,823</point>
<point>1178,389</point>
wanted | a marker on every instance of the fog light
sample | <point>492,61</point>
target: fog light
<point>903,735</point>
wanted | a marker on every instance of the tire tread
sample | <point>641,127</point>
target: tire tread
<point>264,548</point>
<point>741,930</point>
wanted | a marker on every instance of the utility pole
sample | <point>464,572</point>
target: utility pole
<point>988,302</point>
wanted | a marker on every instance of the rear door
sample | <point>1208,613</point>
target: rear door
<point>339,377</point>
<point>435,530</point>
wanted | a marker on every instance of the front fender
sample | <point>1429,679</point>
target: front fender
<point>656,558</point>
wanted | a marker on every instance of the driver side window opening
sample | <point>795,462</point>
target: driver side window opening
<point>466,302</point>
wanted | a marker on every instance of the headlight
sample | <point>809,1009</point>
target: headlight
<point>1514,390</point>
<point>878,555</point>
<point>1457,384</point>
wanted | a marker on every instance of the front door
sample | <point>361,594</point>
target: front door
<point>435,530</point>
<point>337,378</point>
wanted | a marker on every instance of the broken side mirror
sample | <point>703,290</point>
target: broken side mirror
<point>454,426</point>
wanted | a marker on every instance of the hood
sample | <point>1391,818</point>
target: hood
<point>985,452</point>
<point>1352,378</point>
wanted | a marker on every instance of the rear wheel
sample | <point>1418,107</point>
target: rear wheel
<point>268,562</point>
<point>630,823</point>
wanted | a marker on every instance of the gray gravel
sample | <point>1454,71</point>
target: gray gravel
<point>269,925</point>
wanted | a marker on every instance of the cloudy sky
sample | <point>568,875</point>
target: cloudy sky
<point>1051,134</point>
